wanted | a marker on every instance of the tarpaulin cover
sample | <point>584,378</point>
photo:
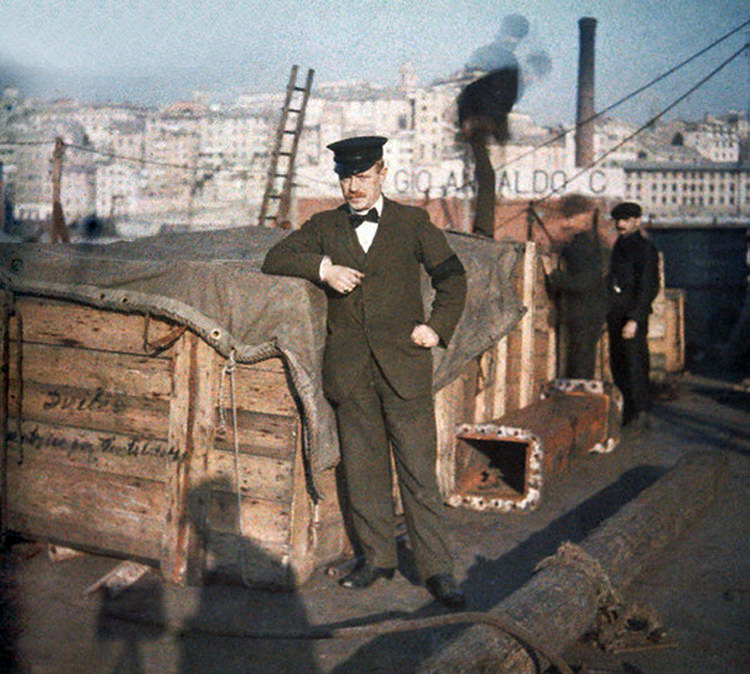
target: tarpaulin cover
<point>211,282</point>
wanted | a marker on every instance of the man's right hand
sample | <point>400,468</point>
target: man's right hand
<point>341,279</point>
<point>629,329</point>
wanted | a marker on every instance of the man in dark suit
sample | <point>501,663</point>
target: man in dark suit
<point>633,285</point>
<point>377,366</point>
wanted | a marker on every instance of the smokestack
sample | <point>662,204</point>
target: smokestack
<point>585,107</point>
<point>2,199</point>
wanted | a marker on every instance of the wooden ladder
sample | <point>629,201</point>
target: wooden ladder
<point>277,198</point>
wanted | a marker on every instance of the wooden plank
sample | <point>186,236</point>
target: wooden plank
<point>541,363</point>
<point>98,409</point>
<point>527,324</point>
<point>329,508</point>
<point>115,581</point>
<point>275,364</point>
<point>82,507</point>
<point>63,323</point>
<point>192,420</point>
<point>127,374</point>
<point>331,543</point>
<point>262,521</point>
<point>551,354</point>
<point>260,476</point>
<point>125,455</point>
<point>513,377</point>
<point>330,538</point>
<point>485,386</point>
<point>278,434</point>
<point>501,378</point>
<point>448,411</point>
<point>469,377</point>
<point>301,526</point>
<point>261,390</point>
<point>266,565</point>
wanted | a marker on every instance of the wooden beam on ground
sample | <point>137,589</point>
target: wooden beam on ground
<point>120,578</point>
<point>560,602</point>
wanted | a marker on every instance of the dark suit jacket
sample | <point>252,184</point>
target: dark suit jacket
<point>380,314</point>
<point>633,278</point>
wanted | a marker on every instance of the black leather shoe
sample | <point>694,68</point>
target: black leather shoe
<point>364,575</point>
<point>444,588</point>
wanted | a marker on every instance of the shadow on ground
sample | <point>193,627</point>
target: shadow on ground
<point>489,581</point>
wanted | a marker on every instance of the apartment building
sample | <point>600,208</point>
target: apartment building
<point>669,189</point>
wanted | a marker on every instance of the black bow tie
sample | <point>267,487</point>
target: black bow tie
<point>355,219</point>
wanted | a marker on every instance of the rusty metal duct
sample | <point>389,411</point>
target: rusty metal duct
<point>506,464</point>
<point>585,107</point>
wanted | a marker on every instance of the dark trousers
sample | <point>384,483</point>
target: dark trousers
<point>484,209</point>
<point>367,421</point>
<point>580,353</point>
<point>629,362</point>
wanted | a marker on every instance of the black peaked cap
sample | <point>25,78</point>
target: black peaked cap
<point>354,155</point>
<point>625,210</point>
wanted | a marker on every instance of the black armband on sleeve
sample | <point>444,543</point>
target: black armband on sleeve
<point>450,267</point>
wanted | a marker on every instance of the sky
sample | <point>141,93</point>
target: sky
<point>154,52</point>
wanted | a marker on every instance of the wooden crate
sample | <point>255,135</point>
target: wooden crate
<point>510,375</point>
<point>113,446</point>
<point>666,333</point>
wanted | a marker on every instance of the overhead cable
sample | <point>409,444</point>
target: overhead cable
<point>639,130</point>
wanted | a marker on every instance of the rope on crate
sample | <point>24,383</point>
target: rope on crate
<point>228,371</point>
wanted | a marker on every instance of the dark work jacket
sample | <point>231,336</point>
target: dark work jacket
<point>583,284</point>
<point>380,314</point>
<point>633,278</point>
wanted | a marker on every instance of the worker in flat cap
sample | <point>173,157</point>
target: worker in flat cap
<point>633,284</point>
<point>377,366</point>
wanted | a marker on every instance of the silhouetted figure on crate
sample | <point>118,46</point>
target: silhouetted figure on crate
<point>578,288</point>
<point>485,103</point>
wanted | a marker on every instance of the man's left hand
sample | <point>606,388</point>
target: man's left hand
<point>424,335</point>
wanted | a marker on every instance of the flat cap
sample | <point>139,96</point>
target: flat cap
<point>354,155</point>
<point>625,210</point>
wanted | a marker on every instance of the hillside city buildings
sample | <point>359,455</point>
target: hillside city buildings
<point>195,165</point>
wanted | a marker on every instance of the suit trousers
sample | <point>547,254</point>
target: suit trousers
<point>372,416</point>
<point>629,362</point>
<point>580,353</point>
